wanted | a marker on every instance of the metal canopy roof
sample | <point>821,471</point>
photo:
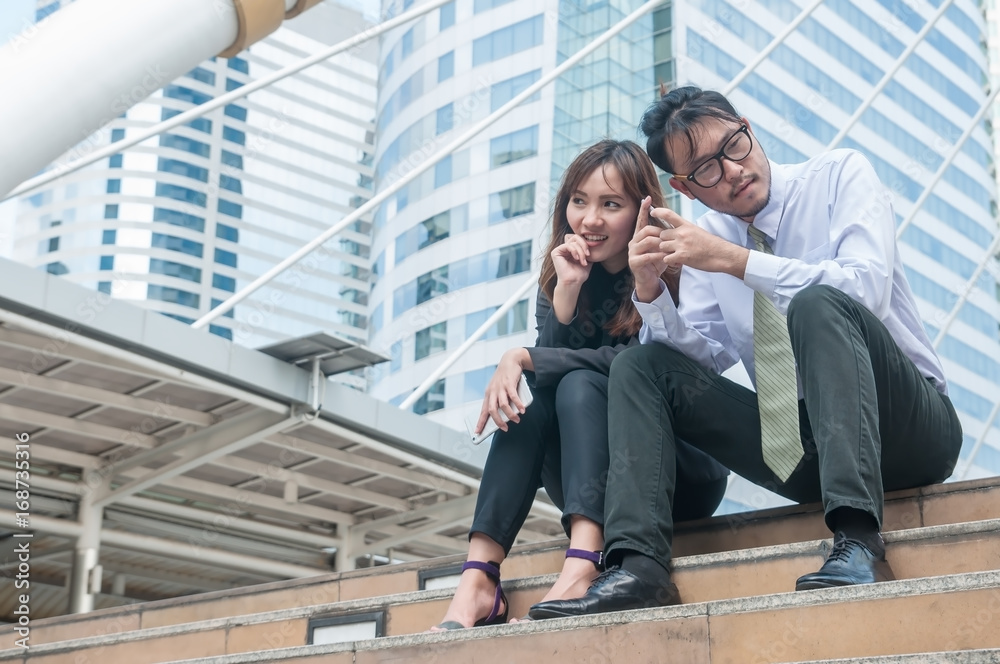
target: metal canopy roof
<point>212,468</point>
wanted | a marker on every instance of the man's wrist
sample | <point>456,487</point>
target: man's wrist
<point>646,293</point>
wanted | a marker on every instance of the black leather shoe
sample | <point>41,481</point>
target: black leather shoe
<point>613,590</point>
<point>850,563</point>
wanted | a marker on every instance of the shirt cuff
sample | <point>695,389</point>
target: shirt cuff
<point>762,272</point>
<point>653,312</point>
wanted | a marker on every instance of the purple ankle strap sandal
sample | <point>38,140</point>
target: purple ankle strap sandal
<point>596,557</point>
<point>496,617</point>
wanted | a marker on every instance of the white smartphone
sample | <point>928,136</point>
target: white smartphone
<point>523,393</point>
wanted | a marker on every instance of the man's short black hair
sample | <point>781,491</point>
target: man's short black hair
<point>679,111</point>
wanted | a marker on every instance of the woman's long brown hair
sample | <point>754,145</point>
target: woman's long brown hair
<point>639,180</point>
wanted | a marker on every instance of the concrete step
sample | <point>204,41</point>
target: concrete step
<point>729,576</point>
<point>930,506</point>
<point>926,620</point>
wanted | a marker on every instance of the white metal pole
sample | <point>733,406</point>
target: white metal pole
<point>460,351</point>
<point>947,162</point>
<point>775,43</point>
<point>377,200</point>
<point>197,111</point>
<point>877,90</point>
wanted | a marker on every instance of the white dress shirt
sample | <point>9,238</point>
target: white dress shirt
<point>829,221</point>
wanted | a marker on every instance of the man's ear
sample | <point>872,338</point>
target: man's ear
<point>681,187</point>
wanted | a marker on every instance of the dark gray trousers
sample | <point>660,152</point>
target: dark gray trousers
<point>561,443</point>
<point>870,422</point>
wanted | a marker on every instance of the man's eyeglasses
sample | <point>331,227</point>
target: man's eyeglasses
<point>736,148</point>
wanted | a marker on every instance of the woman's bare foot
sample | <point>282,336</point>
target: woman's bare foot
<point>473,600</point>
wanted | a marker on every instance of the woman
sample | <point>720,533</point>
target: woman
<point>584,318</point>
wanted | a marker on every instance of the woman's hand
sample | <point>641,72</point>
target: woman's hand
<point>645,258</point>
<point>571,259</point>
<point>501,393</point>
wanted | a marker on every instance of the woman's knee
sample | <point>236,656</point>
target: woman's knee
<point>580,390</point>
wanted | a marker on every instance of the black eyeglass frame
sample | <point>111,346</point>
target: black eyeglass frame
<point>719,156</point>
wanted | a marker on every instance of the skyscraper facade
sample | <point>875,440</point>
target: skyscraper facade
<point>180,222</point>
<point>452,246</point>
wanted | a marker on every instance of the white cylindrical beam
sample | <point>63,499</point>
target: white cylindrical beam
<point>87,63</point>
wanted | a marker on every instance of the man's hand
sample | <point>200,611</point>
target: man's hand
<point>645,258</point>
<point>685,243</point>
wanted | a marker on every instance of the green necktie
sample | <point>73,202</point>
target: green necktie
<point>777,391</point>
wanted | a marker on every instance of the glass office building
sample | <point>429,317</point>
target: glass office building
<point>453,245</point>
<point>181,222</point>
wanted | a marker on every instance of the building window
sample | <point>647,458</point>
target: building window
<point>442,172</point>
<point>107,263</point>
<point>236,112</point>
<point>234,135</point>
<point>115,161</point>
<point>172,295</point>
<point>512,203</point>
<point>202,75</point>
<point>516,320</point>
<point>447,16</point>
<point>182,168</point>
<point>114,186</point>
<point>422,235</point>
<point>223,332</point>
<point>104,287</point>
<point>224,283</point>
<point>232,84</point>
<point>445,118</point>
<point>432,400</point>
<point>230,184</point>
<point>171,243</point>
<point>225,257</point>
<point>227,232</point>
<point>181,219</point>
<point>446,66</point>
<point>229,314</point>
<point>171,269</point>
<point>109,237</point>
<point>202,124</point>
<point>185,144</point>
<point>111,211</point>
<point>514,146</point>
<point>57,268</point>
<point>507,41</point>
<point>483,5</point>
<point>430,340</point>
<point>232,209</point>
<point>239,64</point>
<point>396,357</point>
<point>504,91</point>
<point>181,194</point>
<point>231,159</point>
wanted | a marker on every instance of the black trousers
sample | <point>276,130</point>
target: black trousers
<point>870,422</point>
<point>561,443</point>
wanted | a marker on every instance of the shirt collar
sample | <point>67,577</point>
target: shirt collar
<point>769,219</point>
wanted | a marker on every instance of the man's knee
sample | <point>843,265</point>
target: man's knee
<point>814,301</point>
<point>642,358</point>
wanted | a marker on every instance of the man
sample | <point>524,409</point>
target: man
<point>865,412</point>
